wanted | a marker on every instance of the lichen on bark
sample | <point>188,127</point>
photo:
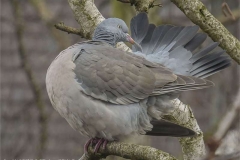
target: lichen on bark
<point>192,147</point>
<point>128,151</point>
<point>87,16</point>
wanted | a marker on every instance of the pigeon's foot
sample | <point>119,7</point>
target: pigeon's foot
<point>97,143</point>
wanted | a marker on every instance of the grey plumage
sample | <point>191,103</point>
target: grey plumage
<point>107,93</point>
<point>154,39</point>
<point>197,40</point>
<point>173,47</point>
<point>148,37</point>
<point>139,23</point>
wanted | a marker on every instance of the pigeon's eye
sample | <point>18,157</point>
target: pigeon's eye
<point>119,26</point>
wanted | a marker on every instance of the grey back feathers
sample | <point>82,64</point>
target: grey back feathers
<point>119,77</point>
<point>173,47</point>
<point>115,76</point>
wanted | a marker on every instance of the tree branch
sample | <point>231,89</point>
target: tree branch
<point>198,14</point>
<point>128,151</point>
<point>68,29</point>
<point>192,147</point>
<point>86,11</point>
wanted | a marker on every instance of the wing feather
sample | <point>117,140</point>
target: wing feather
<point>115,76</point>
<point>119,77</point>
<point>173,47</point>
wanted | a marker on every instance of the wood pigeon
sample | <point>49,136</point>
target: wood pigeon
<point>106,93</point>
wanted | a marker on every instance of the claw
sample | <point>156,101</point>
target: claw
<point>87,145</point>
<point>105,144</point>
<point>99,143</point>
<point>95,142</point>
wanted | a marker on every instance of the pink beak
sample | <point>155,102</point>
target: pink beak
<point>130,40</point>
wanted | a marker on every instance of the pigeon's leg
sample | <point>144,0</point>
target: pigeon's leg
<point>101,142</point>
<point>105,143</point>
<point>97,146</point>
<point>96,143</point>
<point>87,145</point>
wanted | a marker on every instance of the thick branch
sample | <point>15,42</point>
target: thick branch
<point>86,11</point>
<point>198,14</point>
<point>128,151</point>
<point>192,147</point>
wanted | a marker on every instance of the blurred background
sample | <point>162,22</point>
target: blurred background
<point>31,128</point>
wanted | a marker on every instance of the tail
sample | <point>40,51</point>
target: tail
<point>173,47</point>
<point>165,128</point>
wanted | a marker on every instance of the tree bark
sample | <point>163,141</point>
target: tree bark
<point>128,151</point>
<point>193,147</point>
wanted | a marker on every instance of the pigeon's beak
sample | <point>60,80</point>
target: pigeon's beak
<point>130,40</point>
<point>136,45</point>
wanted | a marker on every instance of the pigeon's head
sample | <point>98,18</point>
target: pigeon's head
<point>112,31</point>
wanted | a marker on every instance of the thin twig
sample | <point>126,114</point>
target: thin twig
<point>68,29</point>
<point>227,11</point>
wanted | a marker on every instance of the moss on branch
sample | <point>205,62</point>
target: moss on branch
<point>128,151</point>
<point>87,16</point>
<point>192,147</point>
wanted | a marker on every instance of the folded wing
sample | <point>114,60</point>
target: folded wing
<point>120,77</point>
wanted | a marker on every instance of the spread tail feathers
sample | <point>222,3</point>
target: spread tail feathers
<point>173,47</point>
